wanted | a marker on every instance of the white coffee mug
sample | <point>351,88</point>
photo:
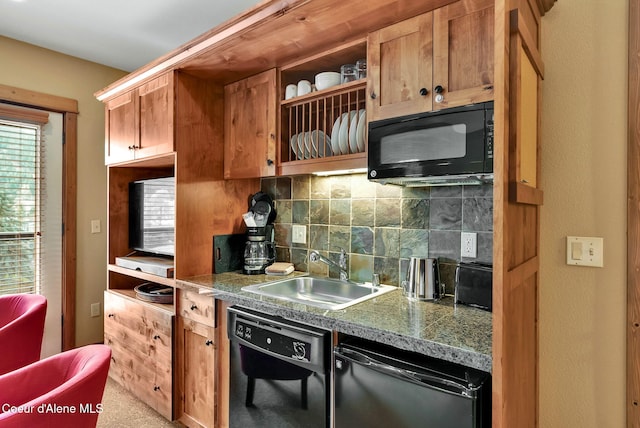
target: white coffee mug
<point>290,91</point>
<point>304,87</point>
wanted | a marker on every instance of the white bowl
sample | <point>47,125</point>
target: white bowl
<point>327,79</point>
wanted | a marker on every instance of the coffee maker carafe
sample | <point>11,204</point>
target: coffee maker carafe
<point>259,250</point>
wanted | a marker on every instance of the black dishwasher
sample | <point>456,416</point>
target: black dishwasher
<point>381,386</point>
<point>279,372</point>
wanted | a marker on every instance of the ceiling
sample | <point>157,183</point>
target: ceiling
<point>124,34</point>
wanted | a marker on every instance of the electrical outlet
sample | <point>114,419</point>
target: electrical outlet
<point>469,245</point>
<point>95,309</point>
<point>299,234</point>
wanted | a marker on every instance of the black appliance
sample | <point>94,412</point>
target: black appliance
<point>152,215</point>
<point>381,386</point>
<point>474,285</point>
<point>260,250</point>
<point>451,146</point>
<point>279,372</point>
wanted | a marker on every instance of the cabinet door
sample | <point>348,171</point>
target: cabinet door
<point>141,340</point>
<point>197,356</point>
<point>120,128</point>
<point>250,127</point>
<point>463,53</point>
<point>399,62</point>
<point>155,109</point>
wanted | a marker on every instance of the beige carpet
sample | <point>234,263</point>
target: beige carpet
<point>121,410</point>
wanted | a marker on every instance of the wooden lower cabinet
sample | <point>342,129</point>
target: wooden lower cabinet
<point>196,360</point>
<point>141,340</point>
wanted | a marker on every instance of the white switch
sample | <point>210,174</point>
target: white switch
<point>585,251</point>
<point>299,234</point>
<point>95,226</point>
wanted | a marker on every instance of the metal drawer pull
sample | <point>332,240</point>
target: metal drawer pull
<point>209,342</point>
<point>194,307</point>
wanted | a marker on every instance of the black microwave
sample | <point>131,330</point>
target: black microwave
<point>451,146</point>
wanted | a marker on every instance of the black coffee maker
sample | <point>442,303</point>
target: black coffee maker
<point>260,249</point>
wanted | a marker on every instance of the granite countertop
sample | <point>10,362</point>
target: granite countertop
<point>458,334</point>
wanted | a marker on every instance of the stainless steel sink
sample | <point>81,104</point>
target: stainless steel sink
<point>325,293</point>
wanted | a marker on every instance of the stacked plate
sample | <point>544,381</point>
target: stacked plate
<point>310,145</point>
<point>347,135</point>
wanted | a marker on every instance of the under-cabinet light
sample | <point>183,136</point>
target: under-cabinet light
<point>341,172</point>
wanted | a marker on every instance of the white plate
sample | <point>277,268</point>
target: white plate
<point>344,131</point>
<point>353,128</point>
<point>362,126</point>
<point>294,146</point>
<point>307,145</point>
<point>335,137</point>
<point>318,138</point>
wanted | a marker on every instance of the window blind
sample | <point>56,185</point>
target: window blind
<point>21,192</point>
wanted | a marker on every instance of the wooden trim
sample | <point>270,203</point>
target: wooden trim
<point>69,108</point>
<point>11,112</point>
<point>69,219</point>
<point>524,194</point>
<point>518,25</point>
<point>633,221</point>
<point>522,272</point>
<point>39,100</point>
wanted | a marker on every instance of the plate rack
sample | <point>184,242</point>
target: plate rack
<point>318,125</point>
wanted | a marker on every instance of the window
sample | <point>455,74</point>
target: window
<point>21,190</point>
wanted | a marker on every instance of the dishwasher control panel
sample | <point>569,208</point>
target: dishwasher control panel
<point>271,341</point>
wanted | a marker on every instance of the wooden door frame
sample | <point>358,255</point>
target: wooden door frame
<point>69,109</point>
<point>633,220</point>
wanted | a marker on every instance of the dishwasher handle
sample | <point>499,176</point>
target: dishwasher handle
<point>419,377</point>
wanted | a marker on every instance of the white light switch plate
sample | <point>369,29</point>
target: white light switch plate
<point>299,234</point>
<point>585,251</point>
<point>95,226</point>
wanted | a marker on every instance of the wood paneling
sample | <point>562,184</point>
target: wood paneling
<point>197,307</point>
<point>29,98</point>
<point>222,391</point>
<point>515,248</point>
<point>633,221</point>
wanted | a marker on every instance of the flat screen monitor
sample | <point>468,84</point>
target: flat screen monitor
<point>152,215</point>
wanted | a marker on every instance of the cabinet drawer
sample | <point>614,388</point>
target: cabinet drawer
<point>197,307</point>
<point>144,330</point>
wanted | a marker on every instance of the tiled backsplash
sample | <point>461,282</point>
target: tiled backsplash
<point>380,227</point>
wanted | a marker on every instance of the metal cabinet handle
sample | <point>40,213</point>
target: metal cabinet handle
<point>424,91</point>
<point>111,315</point>
<point>156,388</point>
<point>269,162</point>
<point>209,342</point>
<point>156,337</point>
<point>194,307</point>
<point>373,95</point>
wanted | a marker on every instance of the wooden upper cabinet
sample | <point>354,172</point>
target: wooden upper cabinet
<point>139,123</point>
<point>156,112</point>
<point>463,53</point>
<point>250,126</point>
<point>399,63</point>
<point>121,126</point>
<point>436,60</point>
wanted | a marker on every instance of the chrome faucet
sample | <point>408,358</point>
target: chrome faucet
<point>315,257</point>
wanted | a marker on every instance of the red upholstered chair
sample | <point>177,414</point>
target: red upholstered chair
<point>64,390</point>
<point>21,328</point>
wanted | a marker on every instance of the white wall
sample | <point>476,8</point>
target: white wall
<point>583,310</point>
